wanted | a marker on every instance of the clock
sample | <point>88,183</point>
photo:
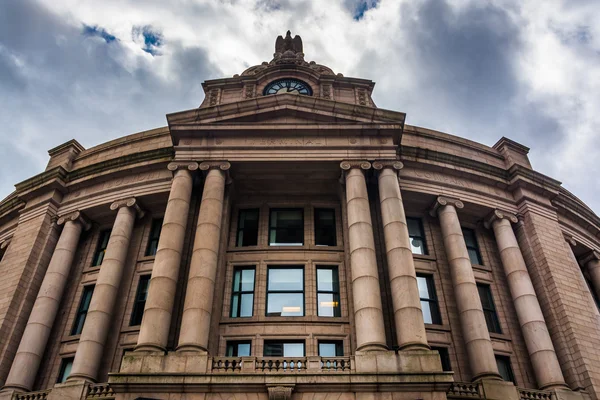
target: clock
<point>293,86</point>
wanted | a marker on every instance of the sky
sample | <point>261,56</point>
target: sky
<point>95,71</point>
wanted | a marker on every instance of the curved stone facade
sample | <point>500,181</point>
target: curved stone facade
<point>310,246</point>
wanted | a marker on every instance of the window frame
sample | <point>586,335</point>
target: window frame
<point>271,209</point>
<point>493,311</point>
<point>240,292</point>
<point>338,293</point>
<point>301,267</point>
<point>316,210</point>
<point>422,238</point>
<point>135,310</point>
<point>283,342</point>
<point>153,237</point>
<point>475,248</point>
<point>430,282</point>
<point>504,358</point>
<point>238,229</point>
<point>80,311</point>
<point>339,344</point>
<point>100,249</point>
<point>234,344</point>
<point>63,367</point>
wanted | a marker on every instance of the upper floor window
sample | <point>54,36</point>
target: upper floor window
<point>238,348</point>
<point>444,358</point>
<point>286,227</point>
<point>285,292</point>
<point>505,369</point>
<point>489,309</point>
<point>154,236</point>
<point>101,248</point>
<point>472,246</point>
<point>140,301</point>
<point>242,293</point>
<point>325,234</point>
<point>287,348</point>
<point>84,305</point>
<point>65,369</point>
<point>429,303</point>
<point>247,228</point>
<point>417,235</point>
<point>328,292</point>
<point>331,348</point>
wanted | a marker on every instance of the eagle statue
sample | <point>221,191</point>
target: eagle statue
<point>284,44</point>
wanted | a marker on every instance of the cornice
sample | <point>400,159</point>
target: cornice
<point>10,204</point>
<point>54,178</point>
<point>74,144</point>
<point>520,176</point>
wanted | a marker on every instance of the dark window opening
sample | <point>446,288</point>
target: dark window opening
<point>288,348</point>
<point>285,292</point>
<point>238,348</point>
<point>65,369</point>
<point>84,305</point>
<point>505,369</point>
<point>154,236</point>
<point>429,302</point>
<point>331,348</point>
<point>444,357</point>
<point>286,227</point>
<point>472,246</point>
<point>328,292</point>
<point>325,231</point>
<point>417,235</point>
<point>140,301</point>
<point>242,293</point>
<point>489,309</point>
<point>101,248</point>
<point>247,228</point>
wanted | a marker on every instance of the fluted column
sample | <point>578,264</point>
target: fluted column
<point>408,317</point>
<point>35,337</point>
<point>154,331</point>
<point>368,314</point>
<point>472,320</point>
<point>537,338</point>
<point>99,317</point>
<point>197,309</point>
<point>591,263</point>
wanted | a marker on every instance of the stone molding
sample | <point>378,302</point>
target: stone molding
<point>444,201</point>
<point>129,202</point>
<point>75,216</point>
<point>222,165</point>
<point>498,214</point>
<point>349,164</point>
<point>381,164</point>
<point>4,244</point>
<point>175,165</point>
<point>280,392</point>
<point>593,255</point>
<point>570,239</point>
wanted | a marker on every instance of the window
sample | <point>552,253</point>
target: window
<point>325,234</point>
<point>285,292</point>
<point>2,251</point>
<point>140,300</point>
<point>489,309</point>
<point>505,369</point>
<point>328,292</point>
<point>84,305</point>
<point>429,304</point>
<point>286,227</point>
<point>242,294</point>
<point>276,348</point>
<point>417,235</point>
<point>65,369</point>
<point>101,248</point>
<point>444,357</point>
<point>238,348</point>
<point>472,246</point>
<point>154,236</point>
<point>331,348</point>
<point>247,229</point>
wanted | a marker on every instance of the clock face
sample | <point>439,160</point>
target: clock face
<point>292,86</point>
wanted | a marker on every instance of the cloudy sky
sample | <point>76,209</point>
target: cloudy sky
<point>94,71</point>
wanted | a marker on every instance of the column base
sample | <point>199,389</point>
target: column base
<point>80,378</point>
<point>371,347</point>
<point>414,346</point>
<point>150,347</point>
<point>14,388</point>
<point>193,348</point>
<point>8,393</point>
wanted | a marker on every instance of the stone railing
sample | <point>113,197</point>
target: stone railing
<point>98,391</point>
<point>280,364</point>
<point>41,395</point>
<point>464,390</point>
<point>226,364</point>
<point>532,394</point>
<point>334,364</point>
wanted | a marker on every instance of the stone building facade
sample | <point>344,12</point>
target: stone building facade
<point>290,240</point>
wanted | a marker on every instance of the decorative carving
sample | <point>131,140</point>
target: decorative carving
<point>361,97</point>
<point>129,202</point>
<point>381,164</point>
<point>175,165</point>
<point>326,91</point>
<point>280,392</point>
<point>498,214</point>
<point>75,216</point>
<point>222,165</point>
<point>249,90</point>
<point>353,141</point>
<point>442,201</point>
<point>213,96</point>
<point>348,164</point>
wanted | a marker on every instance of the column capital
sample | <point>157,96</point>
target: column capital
<point>349,164</point>
<point>222,165</point>
<point>129,202</point>
<point>175,165</point>
<point>497,215</point>
<point>444,201</point>
<point>75,216</point>
<point>593,255</point>
<point>394,164</point>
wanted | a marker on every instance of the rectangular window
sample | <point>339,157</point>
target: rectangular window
<point>84,305</point>
<point>444,357</point>
<point>140,301</point>
<point>65,369</point>
<point>247,228</point>
<point>417,235</point>
<point>328,292</point>
<point>291,348</point>
<point>242,293</point>
<point>154,236</point>
<point>505,369</point>
<point>285,292</point>
<point>238,348</point>
<point>325,234</point>
<point>472,246</point>
<point>489,309</point>
<point>286,227</point>
<point>331,348</point>
<point>101,248</point>
<point>429,303</point>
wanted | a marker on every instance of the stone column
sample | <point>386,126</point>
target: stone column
<point>99,317</point>
<point>35,337</point>
<point>472,320</point>
<point>537,339</point>
<point>591,262</point>
<point>154,331</point>
<point>368,314</point>
<point>410,328</point>
<point>197,309</point>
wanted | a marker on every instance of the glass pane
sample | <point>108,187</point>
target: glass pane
<point>273,349</point>
<point>293,349</point>
<point>485,296</point>
<point>423,288</point>
<point>66,370</point>
<point>243,350</point>
<point>247,303</point>
<point>469,235</point>
<point>427,318</point>
<point>287,227</point>
<point>325,234</point>
<point>414,227</point>
<point>327,280</point>
<point>234,305</point>
<point>444,357</point>
<point>247,280</point>
<point>248,228</point>
<point>237,275</point>
<point>329,305</point>
<point>328,349</point>
<point>230,351</point>
<point>417,246</point>
<point>474,257</point>
<point>285,279</point>
<point>285,304</point>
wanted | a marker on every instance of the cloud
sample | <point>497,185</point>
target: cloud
<point>97,31</point>
<point>150,39</point>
